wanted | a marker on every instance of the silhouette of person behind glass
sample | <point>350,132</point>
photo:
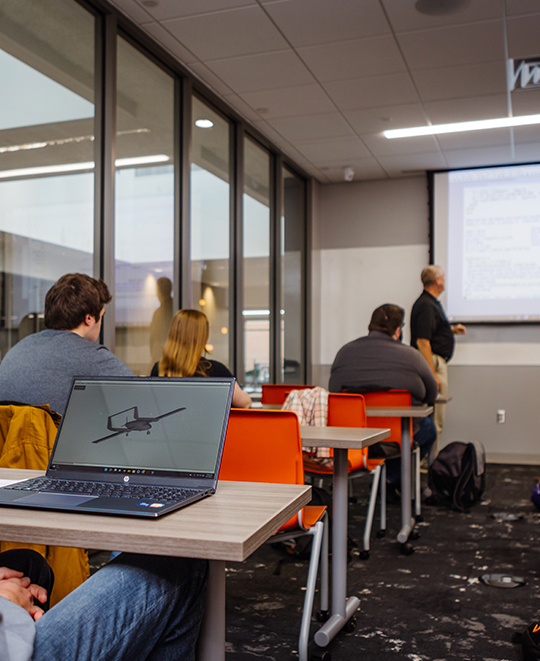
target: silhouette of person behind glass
<point>161,319</point>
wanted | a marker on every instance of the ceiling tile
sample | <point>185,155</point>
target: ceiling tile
<point>209,78</point>
<point>474,139</point>
<point>310,22</point>
<point>373,92</point>
<point>407,165</point>
<point>262,72</point>
<point>462,81</point>
<point>323,152</point>
<point>404,17</point>
<point>290,101</point>
<point>528,153</point>
<point>381,146</point>
<point>523,39</point>
<point>174,9</point>
<point>515,7</point>
<point>230,33</point>
<point>330,125</point>
<point>376,120</point>
<point>353,59</point>
<point>465,158</point>
<point>464,44</point>
<point>242,107</point>
<point>170,43</point>
<point>467,110</point>
<point>133,10</point>
<point>526,102</point>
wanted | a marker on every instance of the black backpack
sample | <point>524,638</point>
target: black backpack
<point>457,476</point>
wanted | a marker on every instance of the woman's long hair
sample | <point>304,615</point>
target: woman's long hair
<point>188,336</point>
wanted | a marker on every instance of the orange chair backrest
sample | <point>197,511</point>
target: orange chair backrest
<point>388,398</point>
<point>263,446</point>
<point>348,410</point>
<point>276,393</point>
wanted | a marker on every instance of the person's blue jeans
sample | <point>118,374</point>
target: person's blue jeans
<point>424,437</point>
<point>136,607</point>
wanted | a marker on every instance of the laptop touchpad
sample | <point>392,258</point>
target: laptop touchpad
<point>61,499</point>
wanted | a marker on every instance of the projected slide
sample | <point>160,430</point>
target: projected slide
<point>487,237</point>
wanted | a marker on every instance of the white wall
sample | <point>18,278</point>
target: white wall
<point>370,242</point>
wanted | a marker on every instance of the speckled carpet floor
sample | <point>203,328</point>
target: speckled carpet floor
<point>429,606</point>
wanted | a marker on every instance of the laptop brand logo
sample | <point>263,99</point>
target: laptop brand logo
<point>126,479</point>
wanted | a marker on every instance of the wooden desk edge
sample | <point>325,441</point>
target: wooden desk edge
<point>201,546</point>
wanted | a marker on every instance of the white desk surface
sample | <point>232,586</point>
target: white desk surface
<point>342,437</point>
<point>399,411</point>
<point>229,525</point>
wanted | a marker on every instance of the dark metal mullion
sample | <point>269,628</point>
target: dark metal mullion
<point>184,297</point>
<point>276,183</point>
<point>236,272</point>
<point>104,157</point>
<point>306,280</point>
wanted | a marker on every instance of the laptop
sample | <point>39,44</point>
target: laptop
<point>133,446</point>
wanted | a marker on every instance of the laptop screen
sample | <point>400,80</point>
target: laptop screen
<point>151,427</point>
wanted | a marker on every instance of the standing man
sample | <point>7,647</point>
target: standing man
<point>433,336</point>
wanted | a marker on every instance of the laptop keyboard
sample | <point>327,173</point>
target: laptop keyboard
<point>164,494</point>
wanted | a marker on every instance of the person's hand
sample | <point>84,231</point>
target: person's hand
<point>17,588</point>
<point>459,329</point>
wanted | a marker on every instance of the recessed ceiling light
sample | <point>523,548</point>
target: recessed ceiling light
<point>204,123</point>
<point>459,127</point>
<point>441,7</point>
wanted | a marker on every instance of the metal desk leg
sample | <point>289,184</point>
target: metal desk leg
<point>211,643</point>
<point>407,522</point>
<point>342,608</point>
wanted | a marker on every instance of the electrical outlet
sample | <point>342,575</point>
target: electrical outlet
<point>501,416</point>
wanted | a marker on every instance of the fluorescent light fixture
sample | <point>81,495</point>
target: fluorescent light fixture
<point>480,125</point>
<point>256,313</point>
<point>66,168</point>
<point>204,123</point>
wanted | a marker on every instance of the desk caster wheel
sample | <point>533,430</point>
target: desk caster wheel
<point>414,535</point>
<point>406,549</point>
<point>322,616</point>
<point>320,655</point>
<point>364,555</point>
<point>350,626</point>
<point>418,518</point>
<point>381,534</point>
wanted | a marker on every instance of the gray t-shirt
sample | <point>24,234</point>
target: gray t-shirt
<point>17,632</point>
<point>378,362</point>
<point>40,368</point>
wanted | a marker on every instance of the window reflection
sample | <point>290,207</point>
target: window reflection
<point>210,224</point>
<point>46,155</point>
<point>144,209</point>
<point>256,252</point>
<point>293,228</point>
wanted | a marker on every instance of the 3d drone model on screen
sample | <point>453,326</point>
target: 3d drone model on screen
<point>129,420</point>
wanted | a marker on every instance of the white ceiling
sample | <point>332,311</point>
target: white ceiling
<point>323,78</point>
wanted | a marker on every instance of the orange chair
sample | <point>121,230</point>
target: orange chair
<point>391,398</point>
<point>276,393</point>
<point>349,410</point>
<point>266,446</point>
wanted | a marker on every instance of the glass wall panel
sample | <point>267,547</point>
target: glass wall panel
<point>293,239</point>
<point>210,224</point>
<point>256,253</point>
<point>46,155</point>
<point>144,209</point>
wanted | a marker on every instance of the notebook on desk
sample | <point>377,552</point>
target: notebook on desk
<point>135,446</point>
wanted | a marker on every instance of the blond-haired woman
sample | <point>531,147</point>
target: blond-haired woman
<point>183,353</point>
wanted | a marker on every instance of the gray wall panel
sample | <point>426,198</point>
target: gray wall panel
<point>374,213</point>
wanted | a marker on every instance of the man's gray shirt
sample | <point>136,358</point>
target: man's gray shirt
<point>378,362</point>
<point>40,368</point>
<point>17,632</point>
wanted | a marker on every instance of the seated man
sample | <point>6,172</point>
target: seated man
<point>40,368</point>
<point>379,361</point>
<point>137,606</point>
